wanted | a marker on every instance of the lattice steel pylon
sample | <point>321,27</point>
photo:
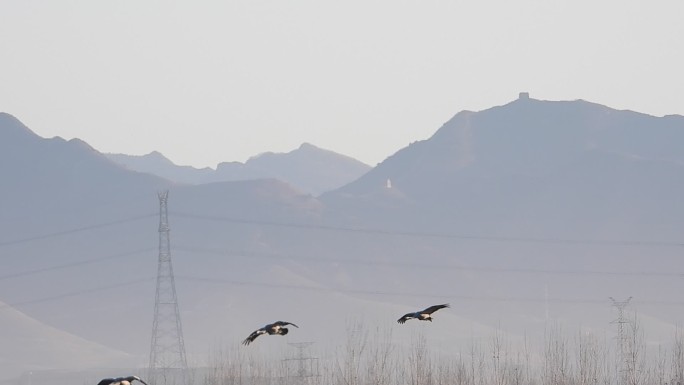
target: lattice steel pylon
<point>302,375</point>
<point>167,351</point>
<point>623,364</point>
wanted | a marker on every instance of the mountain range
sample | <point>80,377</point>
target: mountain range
<point>519,214</point>
<point>308,168</point>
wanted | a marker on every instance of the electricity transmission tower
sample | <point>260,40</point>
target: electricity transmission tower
<point>167,352</point>
<point>303,372</point>
<point>623,364</point>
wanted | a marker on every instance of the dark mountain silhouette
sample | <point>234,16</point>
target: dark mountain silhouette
<point>310,169</point>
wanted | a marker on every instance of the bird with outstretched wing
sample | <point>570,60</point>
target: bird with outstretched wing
<point>277,328</point>
<point>423,315</point>
<point>120,380</point>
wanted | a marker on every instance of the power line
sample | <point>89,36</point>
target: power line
<point>335,290</point>
<point>412,265</point>
<point>605,242</point>
<point>74,230</point>
<point>73,264</point>
<point>358,230</point>
<point>413,294</point>
<point>118,285</point>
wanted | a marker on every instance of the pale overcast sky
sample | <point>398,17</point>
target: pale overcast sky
<point>210,81</point>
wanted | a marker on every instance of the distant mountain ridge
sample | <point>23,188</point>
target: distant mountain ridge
<point>515,154</point>
<point>63,203</point>
<point>308,168</point>
<point>497,208</point>
<point>156,163</point>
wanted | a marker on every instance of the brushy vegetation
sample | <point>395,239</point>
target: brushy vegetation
<point>370,357</point>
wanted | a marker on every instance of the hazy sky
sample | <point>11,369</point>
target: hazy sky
<point>211,81</point>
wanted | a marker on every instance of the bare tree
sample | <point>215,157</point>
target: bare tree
<point>477,365</point>
<point>499,360</point>
<point>608,364</point>
<point>635,357</point>
<point>678,358</point>
<point>659,375</point>
<point>524,374</point>
<point>419,364</point>
<point>449,372</point>
<point>589,360</point>
<point>556,370</point>
<point>225,369</point>
<point>381,365</point>
<point>349,370</point>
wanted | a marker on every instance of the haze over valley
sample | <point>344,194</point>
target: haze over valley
<point>522,216</point>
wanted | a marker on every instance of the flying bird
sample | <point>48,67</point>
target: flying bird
<point>270,329</point>
<point>424,315</point>
<point>120,381</point>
